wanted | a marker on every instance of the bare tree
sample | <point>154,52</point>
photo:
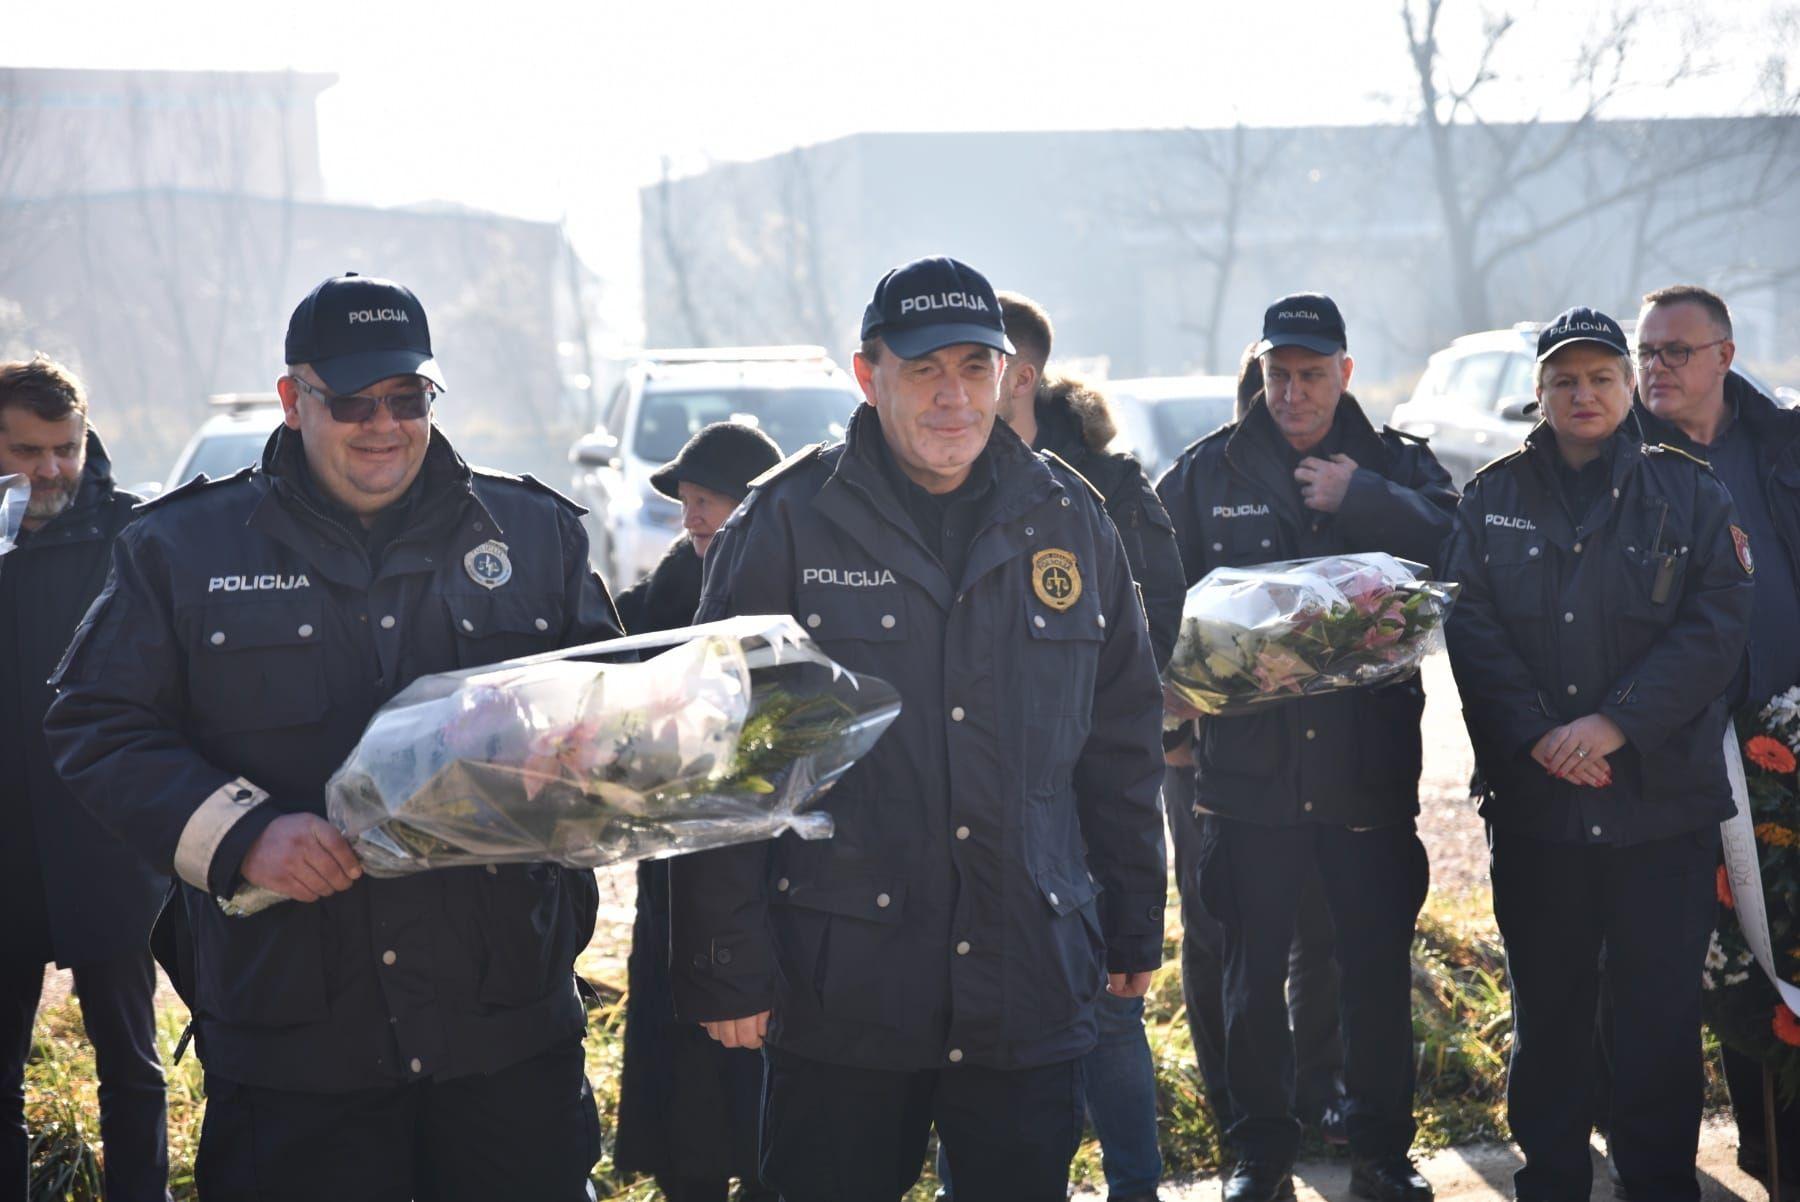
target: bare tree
<point>1502,187</point>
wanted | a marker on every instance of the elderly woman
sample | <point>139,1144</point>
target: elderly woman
<point>1604,607</point>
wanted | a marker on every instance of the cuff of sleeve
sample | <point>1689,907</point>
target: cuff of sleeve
<point>1136,953</point>
<point>724,981</point>
<point>208,825</point>
<point>1640,737</point>
<point>222,875</point>
<point>1135,938</point>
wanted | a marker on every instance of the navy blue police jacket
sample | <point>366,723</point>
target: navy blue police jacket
<point>999,851</point>
<point>240,646</point>
<point>1637,609</point>
<point>1350,758</point>
<point>98,896</point>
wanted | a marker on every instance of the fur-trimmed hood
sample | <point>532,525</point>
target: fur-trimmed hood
<point>1078,399</point>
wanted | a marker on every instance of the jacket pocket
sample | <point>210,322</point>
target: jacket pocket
<point>501,625</point>
<point>841,942</point>
<point>1521,579</point>
<point>1057,668</point>
<point>1067,965</point>
<point>533,921</point>
<point>861,615</point>
<point>267,970</point>
<point>256,665</point>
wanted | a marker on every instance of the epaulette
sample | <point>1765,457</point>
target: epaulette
<point>198,484</point>
<point>803,455</point>
<point>528,481</point>
<point>1407,435</point>
<point>1656,448</point>
<point>1053,457</point>
<point>1491,464</point>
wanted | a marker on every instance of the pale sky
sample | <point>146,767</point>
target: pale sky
<point>561,110</point>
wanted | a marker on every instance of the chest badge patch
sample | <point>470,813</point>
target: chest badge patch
<point>1741,541</point>
<point>1055,578</point>
<point>487,565</point>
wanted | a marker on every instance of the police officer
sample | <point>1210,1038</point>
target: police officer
<point>688,1106</point>
<point>71,892</point>
<point>419,1037</point>
<point>1605,597</point>
<point>1333,777</point>
<point>1073,419</point>
<point>998,859</point>
<point>1690,398</point>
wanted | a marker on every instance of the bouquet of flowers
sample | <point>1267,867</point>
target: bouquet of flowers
<point>729,735</point>
<point>15,495</point>
<point>1747,1009</point>
<point>1252,636</point>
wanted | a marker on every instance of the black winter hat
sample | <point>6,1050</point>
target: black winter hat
<point>724,457</point>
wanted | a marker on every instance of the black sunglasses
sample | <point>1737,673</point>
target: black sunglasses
<point>403,406</point>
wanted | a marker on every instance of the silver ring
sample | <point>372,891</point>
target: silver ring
<point>1581,753</point>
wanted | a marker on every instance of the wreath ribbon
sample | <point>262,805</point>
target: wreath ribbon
<point>1738,835</point>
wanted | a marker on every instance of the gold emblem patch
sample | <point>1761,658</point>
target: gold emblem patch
<point>1056,579</point>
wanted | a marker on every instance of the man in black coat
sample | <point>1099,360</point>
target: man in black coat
<point>1605,599</point>
<point>1334,776</point>
<point>998,856</point>
<point>1690,398</point>
<point>72,891</point>
<point>409,1037</point>
<point>688,1106</point>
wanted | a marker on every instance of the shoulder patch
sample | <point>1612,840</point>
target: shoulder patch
<point>1053,457</point>
<point>1663,448</point>
<point>1409,437</point>
<point>197,485</point>
<point>803,455</point>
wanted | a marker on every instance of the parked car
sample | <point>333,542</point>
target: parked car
<point>794,394</point>
<point>1476,400</point>
<point>231,439</point>
<point>1160,415</point>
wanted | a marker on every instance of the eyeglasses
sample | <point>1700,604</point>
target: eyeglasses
<point>1673,354</point>
<point>402,406</point>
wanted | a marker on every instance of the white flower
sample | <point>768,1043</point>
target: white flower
<point>1706,981</point>
<point>1715,955</point>
<point>1736,978</point>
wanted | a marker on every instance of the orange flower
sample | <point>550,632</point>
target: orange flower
<point>1777,835</point>
<point>1722,883</point>
<point>1769,754</point>
<point>1787,1027</point>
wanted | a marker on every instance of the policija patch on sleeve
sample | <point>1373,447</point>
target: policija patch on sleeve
<point>1741,541</point>
<point>1055,578</point>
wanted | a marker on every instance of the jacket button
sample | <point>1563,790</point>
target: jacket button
<point>218,638</point>
<point>1029,532</point>
<point>1307,807</point>
<point>781,886</point>
<point>1218,546</point>
<point>1597,830</point>
<point>1615,494</point>
<point>306,632</point>
<point>1100,618</point>
<point>1569,617</point>
<point>1153,913</point>
<point>956,713</point>
<point>387,622</point>
<point>1312,734</point>
<point>882,901</point>
<point>962,832</point>
<point>813,620</point>
<point>1065,502</point>
<point>962,949</point>
<point>541,624</point>
<point>1573,690</point>
<point>416,1065</point>
<point>1266,543</point>
<point>887,621</point>
<point>1038,621</point>
<point>1532,552</point>
<point>388,957</point>
<point>493,870</point>
<point>1054,901</point>
<point>1576,548</point>
<point>723,955</point>
<point>956,1053</point>
<point>468,626</point>
<point>699,959</point>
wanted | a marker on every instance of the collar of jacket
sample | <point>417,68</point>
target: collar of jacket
<point>1540,459</point>
<point>1074,419</point>
<point>1776,431</point>
<point>876,517</point>
<point>447,498</point>
<point>77,523</point>
<point>1256,451</point>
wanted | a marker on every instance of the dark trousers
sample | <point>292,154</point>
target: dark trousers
<point>1744,1081</point>
<point>1652,907</point>
<point>838,1134</point>
<point>1374,882</point>
<point>118,1009</point>
<point>1312,986</point>
<point>529,1131</point>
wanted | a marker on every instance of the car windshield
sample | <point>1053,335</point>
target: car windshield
<point>223,454</point>
<point>793,417</point>
<point>1183,419</point>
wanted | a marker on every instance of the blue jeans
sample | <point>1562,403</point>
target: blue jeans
<point>1121,1102</point>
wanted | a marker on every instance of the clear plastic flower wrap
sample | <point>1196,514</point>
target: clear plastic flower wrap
<point>729,734</point>
<point>1258,635</point>
<point>15,495</point>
